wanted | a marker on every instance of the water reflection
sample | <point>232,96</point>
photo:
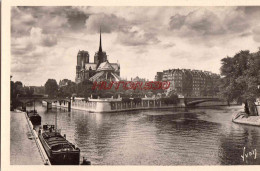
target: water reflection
<point>158,137</point>
<point>231,151</point>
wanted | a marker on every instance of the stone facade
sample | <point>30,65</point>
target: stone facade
<point>190,82</point>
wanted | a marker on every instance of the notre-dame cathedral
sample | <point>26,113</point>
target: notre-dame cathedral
<point>100,70</point>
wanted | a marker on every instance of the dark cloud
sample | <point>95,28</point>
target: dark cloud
<point>198,22</point>
<point>136,37</point>
<point>49,40</point>
<point>251,17</point>
<point>30,58</point>
<point>23,68</point>
<point>77,20</point>
<point>250,10</point>
<point>17,49</point>
<point>236,22</point>
<point>245,34</point>
<point>108,23</point>
<point>52,20</point>
<point>177,21</point>
<point>21,22</point>
<point>256,33</point>
<point>169,45</point>
<point>204,21</point>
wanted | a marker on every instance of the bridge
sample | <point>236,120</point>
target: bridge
<point>48,100</point>
<point>193,101</point>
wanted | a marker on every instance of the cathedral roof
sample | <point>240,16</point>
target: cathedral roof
<point>115,66</point>
<point>96,76</point>
<point>117,77</point>
<point>103,75</point>
<point>105,66</point>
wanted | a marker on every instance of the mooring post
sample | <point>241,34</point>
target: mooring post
<point>49,105</point>
<point>69,106</point>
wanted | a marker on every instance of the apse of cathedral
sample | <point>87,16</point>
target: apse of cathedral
<point>100,70</point>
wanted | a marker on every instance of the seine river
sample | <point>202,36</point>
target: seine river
<point>201,136</point>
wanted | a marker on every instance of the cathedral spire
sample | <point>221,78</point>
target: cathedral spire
<point>100,43</point>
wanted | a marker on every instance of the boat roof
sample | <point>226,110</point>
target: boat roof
<point>33,114</point>
<point>54,139</point>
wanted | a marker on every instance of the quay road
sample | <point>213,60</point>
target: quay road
<point>24,151</point>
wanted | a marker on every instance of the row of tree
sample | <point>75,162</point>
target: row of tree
<point>84,89</point>
<point>17,89</point>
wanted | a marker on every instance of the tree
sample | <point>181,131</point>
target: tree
<point>18,88</point>
<point>241,76</point>
<point>29,91</point>
<point>51,87</point>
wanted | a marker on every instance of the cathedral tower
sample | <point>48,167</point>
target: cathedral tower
<point>100,56</point>
<point>82,59</point>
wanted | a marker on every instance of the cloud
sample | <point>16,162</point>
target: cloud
<point>169,45</point>
<point>204,22</point>
<point>177,21</point>
<point>256,33</point>
<point>107,22</point>
<point>29,52</point>
<point>23,68</point>
<point>37,37</point>
<point>197,23</point>
<point>250,11</point>
<point>21,22</point>
<point>136,36</point>
<point>129,33</point>
<point>21,48</point>
<point>77,20</point>
<point>49,40</point>
<point>236,21</point>
<point>52,20</point>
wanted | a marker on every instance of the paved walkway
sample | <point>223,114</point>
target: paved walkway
<point>24,151</point>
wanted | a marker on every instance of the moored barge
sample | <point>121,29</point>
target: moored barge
<point>59,150</point>
<point>34,117</point>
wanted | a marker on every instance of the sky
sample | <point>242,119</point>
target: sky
<point>144,40</point>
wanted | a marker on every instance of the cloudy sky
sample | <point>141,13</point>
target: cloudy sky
<point>145,40</point>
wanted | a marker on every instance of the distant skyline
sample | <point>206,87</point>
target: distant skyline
<point>144,40</point>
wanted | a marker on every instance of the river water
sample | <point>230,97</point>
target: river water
<point>201,136</point>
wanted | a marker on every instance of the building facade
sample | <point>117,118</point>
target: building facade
<point>190,82</point>
<point>100,70</point>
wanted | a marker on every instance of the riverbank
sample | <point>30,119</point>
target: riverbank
<point>25,150</point>
<point>241,118</point>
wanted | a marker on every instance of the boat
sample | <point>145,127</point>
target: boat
<point>34,117</point>
<point>59,150</point>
